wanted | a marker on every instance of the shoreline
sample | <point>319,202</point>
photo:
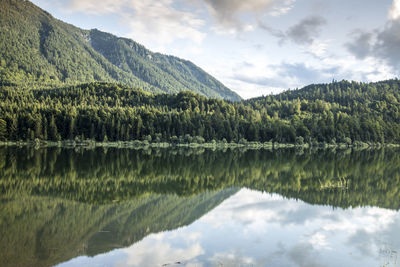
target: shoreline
<point>137,144</point>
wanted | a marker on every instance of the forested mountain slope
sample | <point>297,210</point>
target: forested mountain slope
<point>340,112</point>
<point>37,50</point>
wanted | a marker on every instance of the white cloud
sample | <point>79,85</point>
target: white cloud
<point>97,7</point>
<point>285,8</point>
<point>157,250</point>
<point>163,21</point>
<point>319,240</point>
<point>394,12</point>
<point>319,48</point>
<point>150,21</point>
<point>231,258</point>
<point>278,77</point>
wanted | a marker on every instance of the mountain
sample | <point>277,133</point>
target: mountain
<point>39,50</point>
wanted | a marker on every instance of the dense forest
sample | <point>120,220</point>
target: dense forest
<point>37,50</point>
<point>339,112</point>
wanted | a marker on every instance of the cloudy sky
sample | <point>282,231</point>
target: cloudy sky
<point>256,47</point>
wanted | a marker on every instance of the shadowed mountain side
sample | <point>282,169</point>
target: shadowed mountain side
<point>43,231</point>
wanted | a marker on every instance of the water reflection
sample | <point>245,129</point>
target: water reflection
<point>150,208</point>
<point>256,229</point>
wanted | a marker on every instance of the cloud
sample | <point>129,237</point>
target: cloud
<point>304,32</point>
<point>387,46</point>
<point>231,258</point>
<point>383,45</point>
<point>319,49</point>
<point>360,46</point>
<point>278,77</point>
<point>227,12</point>
<point>257,80</point>
<point>150,21</point>
<point>272,31</point>
<point>288,5</point>
<point>165,20</point>
<point>304,254</point>
<point>305,74</point>
<point>158,250</point>
<point>97,7</point>
<point>394,12</point>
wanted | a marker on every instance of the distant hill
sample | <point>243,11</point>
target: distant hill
<point>39,50</point>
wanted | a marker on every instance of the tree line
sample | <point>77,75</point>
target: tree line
<point>339,112</point>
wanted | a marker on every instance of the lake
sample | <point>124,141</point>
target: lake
<point>177,207</point>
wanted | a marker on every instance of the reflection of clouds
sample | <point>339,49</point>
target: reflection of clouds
<point>253,208</point>
<point>299,229</point>
<point>304,255</point>
<point>231,258</point>
<point>362,241</point>
<point>318,240</point>
<point>370,219</point>
<point>256,229</point>
<point>157,250</point>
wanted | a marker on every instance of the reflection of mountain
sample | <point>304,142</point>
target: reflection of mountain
<point>96,176</point>
<point>56,204</point>
<point>43,231</point>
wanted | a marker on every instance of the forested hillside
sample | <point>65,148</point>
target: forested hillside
<point>37,50</point>
<point>340,112</point>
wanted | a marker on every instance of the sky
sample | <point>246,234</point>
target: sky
<point>256,47</point>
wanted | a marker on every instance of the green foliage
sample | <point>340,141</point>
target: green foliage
<point>3,129</point>
<point>339,112</point>
<point>111,112</point>
<point>299,140</point>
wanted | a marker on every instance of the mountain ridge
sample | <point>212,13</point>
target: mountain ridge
<point>38,49</point>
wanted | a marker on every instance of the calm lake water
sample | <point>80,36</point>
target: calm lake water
<point>121,207</point>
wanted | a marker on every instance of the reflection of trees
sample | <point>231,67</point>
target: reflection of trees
<point>43,231</point>
<point>95,176</point>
